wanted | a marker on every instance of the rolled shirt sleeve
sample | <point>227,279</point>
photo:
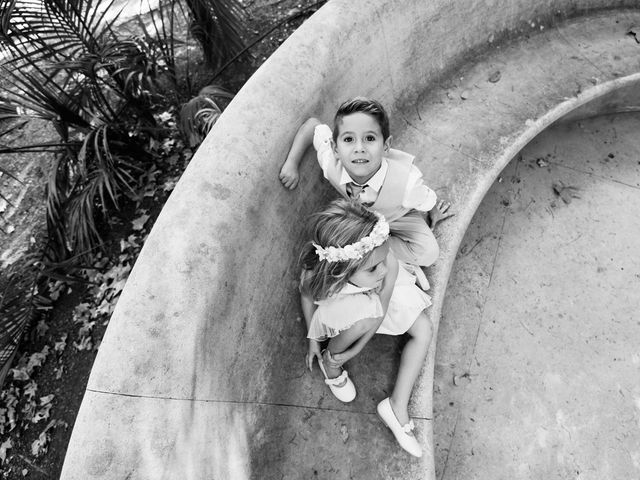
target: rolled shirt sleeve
<point>322,136</point>
<point>417,195</point>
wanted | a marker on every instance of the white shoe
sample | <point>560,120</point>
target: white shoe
<point>342,387</point>
<point>403,433</point>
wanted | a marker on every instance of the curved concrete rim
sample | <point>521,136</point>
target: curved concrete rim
<point>200,374</point>
<point>574,108</point>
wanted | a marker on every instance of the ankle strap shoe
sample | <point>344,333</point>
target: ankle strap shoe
<point>342,387</point>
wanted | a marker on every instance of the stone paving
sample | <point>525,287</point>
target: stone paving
<point>538,361</point>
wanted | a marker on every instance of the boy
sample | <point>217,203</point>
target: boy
<point>359,162</point>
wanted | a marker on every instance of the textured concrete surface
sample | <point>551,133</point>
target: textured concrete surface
<point>538,361</point>
<point>200,373</point>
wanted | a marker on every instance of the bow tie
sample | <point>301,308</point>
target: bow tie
<point>354,190</point>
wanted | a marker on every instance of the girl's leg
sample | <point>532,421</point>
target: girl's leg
<point>411,361</point>
<point>344,340</point>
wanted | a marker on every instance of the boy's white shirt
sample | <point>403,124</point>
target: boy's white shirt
<point>416,195</point>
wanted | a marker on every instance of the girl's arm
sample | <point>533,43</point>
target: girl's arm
<point>302,140</point>
<point>372,324</point>
<point>389,281</point>
<point>308,308</point>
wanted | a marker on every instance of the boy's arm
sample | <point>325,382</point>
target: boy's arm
<point>302,140</point>
<point>438,213</point>
<point>420,197</point>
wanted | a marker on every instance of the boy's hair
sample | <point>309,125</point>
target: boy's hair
<point>362,105</point>
<point>342,223</point>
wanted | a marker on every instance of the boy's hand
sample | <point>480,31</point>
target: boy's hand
<point>313,352</point>
<point>289,176</point>
<point>438,213</point>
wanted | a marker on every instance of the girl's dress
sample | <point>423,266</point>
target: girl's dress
<point>341,310</point>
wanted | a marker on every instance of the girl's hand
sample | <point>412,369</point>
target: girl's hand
<point>313,352</point>
<point>335,360</point>
<point>289,176</point>
<point>438,213</point>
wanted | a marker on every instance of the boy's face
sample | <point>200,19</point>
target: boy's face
<point>360,146</point>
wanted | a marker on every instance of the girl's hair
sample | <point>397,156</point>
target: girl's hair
<point>362,105</point>
<point>342,223</point>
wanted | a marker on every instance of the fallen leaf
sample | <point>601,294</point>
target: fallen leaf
<point>139,222</point>
<point>61,344</point>
<point>542,162</point>
<point>6,445</point>
<point>169,185</point>
<point>30,390</point>
<point>566,192</point>
<point>465,94</point>
<point>165,117</point>
<point>43,413</point>
<point>495,76</point>
<point>460,379</point>
<point>344,433</point>
<point>39,446</point>
<point>84,344</point>
<point>41,328</point>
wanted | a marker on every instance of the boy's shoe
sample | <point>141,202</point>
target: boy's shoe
<point>403,433</point>
<point>342,387</point>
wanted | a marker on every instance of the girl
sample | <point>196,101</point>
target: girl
<point>352,286</point>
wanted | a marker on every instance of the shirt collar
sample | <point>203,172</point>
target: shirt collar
<point>350,288</point>
<point>374,182</point>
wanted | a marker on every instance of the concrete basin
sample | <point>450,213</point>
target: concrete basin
<point>200,374</point>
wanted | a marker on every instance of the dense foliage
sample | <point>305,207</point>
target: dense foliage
<point>109,96</point>
<point>120,94</point>
<point>65,62</point>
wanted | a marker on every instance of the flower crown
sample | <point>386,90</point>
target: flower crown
<point>357,250</point>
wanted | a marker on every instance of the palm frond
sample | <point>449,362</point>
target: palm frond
<point>54,29</point>
<point>219,26</point>
<point>199,114</point>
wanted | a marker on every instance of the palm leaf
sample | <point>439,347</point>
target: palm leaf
<point>199,114</point>
<point>54,29</point>
<point>219,26</point>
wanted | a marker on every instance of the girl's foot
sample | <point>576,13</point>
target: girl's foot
<point>400,413</point>
<point>403,433</point>
<point>341,386</point>
<point>332,372</point>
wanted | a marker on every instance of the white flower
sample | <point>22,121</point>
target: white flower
<point>356,250</point>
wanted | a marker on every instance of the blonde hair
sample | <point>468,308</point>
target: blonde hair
<point>341,223</point>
